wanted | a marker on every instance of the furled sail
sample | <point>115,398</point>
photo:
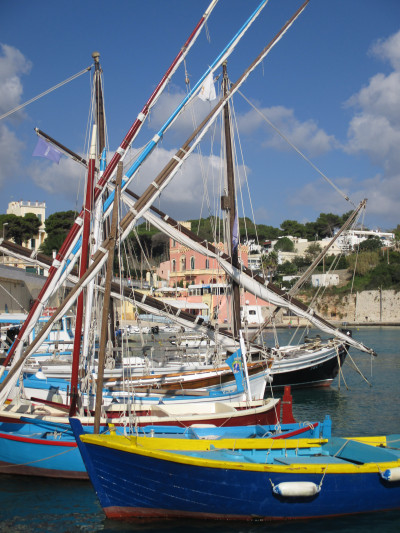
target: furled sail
<point>267,292</point>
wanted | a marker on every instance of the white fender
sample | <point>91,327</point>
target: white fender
<point>296,489</point>
<point>391,474</point>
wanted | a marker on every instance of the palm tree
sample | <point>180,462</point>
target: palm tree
<point>270,263</point>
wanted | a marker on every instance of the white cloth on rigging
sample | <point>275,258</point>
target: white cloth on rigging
<point>207,90</point>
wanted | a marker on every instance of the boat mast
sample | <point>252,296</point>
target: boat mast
<point>82,270</point>
<point>99,118</point>
<point>229,206</point>
<point>107,298</point>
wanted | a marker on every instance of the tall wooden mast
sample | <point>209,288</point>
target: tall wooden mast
<point>229,204</point>
<point>99,118</point>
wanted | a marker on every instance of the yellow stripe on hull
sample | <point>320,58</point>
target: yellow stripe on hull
<point>159,448</point>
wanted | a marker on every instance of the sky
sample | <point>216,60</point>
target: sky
<point>331,87</point>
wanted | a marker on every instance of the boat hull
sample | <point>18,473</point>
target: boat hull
<point>22,452</point>
<point>136,485</point>
<point>309,371</point>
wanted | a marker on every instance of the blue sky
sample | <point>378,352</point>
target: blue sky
<point>331,86</point>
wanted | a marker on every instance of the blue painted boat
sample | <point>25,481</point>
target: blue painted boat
<point>254,480</point>
<point>48,449</point>
<point>29,449</point>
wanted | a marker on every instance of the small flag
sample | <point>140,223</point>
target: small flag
<point>235,364</point>
<point>207,91</point>
<point>44,149</point>
<point>235,233</point>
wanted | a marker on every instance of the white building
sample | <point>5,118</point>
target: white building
<point>324,280</point>
<point>20,209</point>
<point>352,238</point>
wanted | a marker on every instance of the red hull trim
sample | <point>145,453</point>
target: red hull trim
<point>24,470</point>
<point>37,441</point>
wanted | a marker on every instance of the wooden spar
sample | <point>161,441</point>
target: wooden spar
<point>74,156</point>
<point>230,209</point>
<point>146,199</point>
<point>106,302</point>
<point>129,137</point>
<point>83,267</point>
<point>306,274</point>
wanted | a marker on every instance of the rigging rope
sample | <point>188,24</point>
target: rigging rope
<point>296,149</point>
<point>44,93</point>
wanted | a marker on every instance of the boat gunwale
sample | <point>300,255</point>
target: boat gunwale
<point>140,446</point>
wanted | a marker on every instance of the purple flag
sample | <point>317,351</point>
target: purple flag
<point>235,233</point>
<point>44,149</point>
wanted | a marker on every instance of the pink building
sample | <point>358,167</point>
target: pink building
<point>202,284</point>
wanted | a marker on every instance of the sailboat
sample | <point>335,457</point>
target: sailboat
<point>99,259</point>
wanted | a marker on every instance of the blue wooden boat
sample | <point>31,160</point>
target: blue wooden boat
<point>254,480</point>
<point>49,449</point>
<point>28,449</point>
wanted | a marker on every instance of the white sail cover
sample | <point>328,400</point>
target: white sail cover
<point>252,285</point>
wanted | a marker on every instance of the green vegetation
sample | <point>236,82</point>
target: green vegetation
<point>374,270</point>
<point>20,229</point>
<point>284,244</point>
<point>371,267</point>
<point>57,227</point>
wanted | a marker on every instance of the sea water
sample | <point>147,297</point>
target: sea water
<point>363,400</point>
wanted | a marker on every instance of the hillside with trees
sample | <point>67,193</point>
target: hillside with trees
<point>370,267</point>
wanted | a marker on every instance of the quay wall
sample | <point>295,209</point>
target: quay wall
<point>375,307</point>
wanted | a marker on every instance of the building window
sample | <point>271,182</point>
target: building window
<point>183,263</point>
<point>207,264</point>
<point>33,244</point>
<point>173,265</point>
<point>192,263</point>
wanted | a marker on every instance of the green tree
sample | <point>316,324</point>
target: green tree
<point>312,252</point>
<point>371,244</point>
<point>294,228</point>
<point>288,268</point>
<point>284,244</point>
<point>20,229</point>
<point>269,263</point>
<point>326,224</point>
<point>363,262</point>
<point>57,227</point>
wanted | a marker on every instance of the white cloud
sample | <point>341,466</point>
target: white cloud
<point>187,121</point>
<point>388,49</point>
<point>185,196</point>
<point>65,180</point>
<point>321,197</point>
<point>10,149</point>
<point>306,136</point>
<point>374,131</point>
<point>12,65</point>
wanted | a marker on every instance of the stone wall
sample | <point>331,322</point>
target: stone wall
<point>363,307</point>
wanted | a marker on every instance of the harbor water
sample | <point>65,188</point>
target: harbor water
<point>363,400</point>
